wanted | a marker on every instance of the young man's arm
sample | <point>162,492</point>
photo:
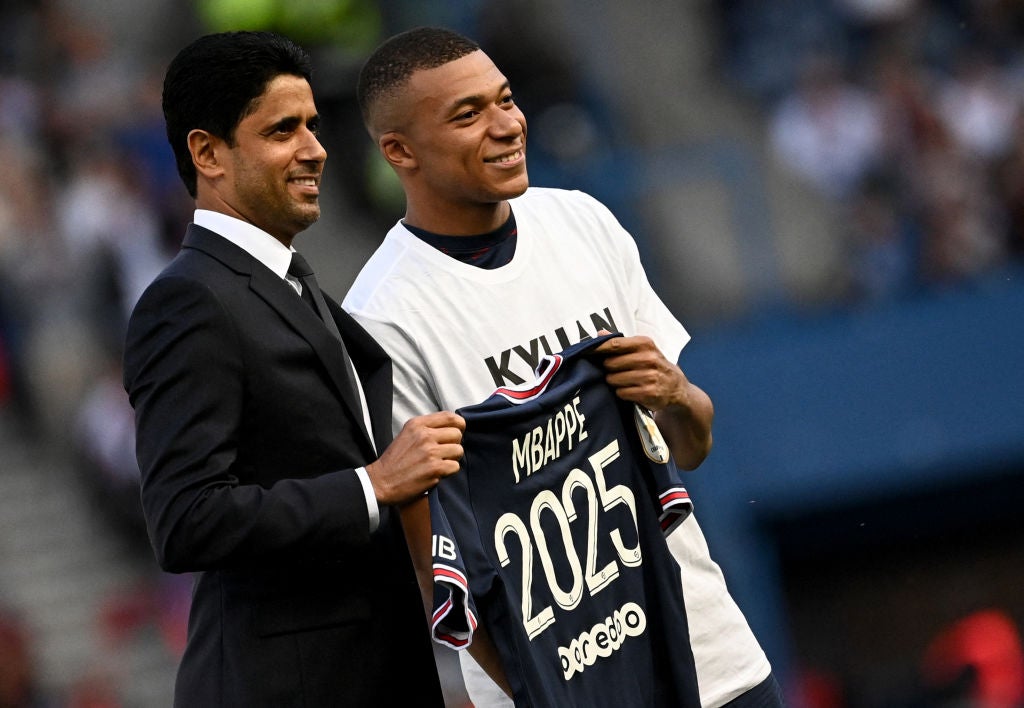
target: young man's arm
<point>486,655</point>
<point>640,373</point>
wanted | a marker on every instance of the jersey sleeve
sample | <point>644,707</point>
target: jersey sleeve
<point>672,500</point>
<point>453,615</point>
<point>675,505</point>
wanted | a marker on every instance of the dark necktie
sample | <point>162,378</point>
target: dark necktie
<point>300,270</point>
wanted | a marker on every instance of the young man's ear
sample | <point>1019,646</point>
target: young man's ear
<point>396,150</point>
<point>205,148</point>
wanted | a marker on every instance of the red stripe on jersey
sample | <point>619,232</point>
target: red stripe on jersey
<point>517,395</point>
<point>676,506</point>
<point>673,496</point>
<point>444,572</point>
<point>453,642</point>
<point>442,611</point>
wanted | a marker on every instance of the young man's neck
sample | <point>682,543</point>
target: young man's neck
<point>464,223</point>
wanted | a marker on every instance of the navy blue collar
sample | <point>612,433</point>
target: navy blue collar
<point>488,251</point>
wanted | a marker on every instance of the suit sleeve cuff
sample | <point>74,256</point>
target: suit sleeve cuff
<point>371,498</point>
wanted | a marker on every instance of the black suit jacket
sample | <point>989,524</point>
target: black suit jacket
<point>247,442</point>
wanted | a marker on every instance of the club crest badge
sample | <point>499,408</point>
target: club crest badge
<point>654,444</point>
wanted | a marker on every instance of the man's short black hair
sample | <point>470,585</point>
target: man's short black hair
<point>394,61</point>
<point>213,83</point>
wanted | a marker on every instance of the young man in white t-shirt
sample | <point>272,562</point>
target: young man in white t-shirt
<point>485,275</point>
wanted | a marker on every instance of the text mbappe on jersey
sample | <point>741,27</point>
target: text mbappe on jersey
<point>547,442</point>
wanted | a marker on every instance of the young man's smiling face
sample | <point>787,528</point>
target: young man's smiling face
<point>465,135</point>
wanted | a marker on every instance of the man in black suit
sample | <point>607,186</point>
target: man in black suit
<point>268,467</point>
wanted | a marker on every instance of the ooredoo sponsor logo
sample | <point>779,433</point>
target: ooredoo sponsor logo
<point>602,639</point>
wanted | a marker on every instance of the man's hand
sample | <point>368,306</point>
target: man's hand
<point>427,449</point>
<point>640,373</point>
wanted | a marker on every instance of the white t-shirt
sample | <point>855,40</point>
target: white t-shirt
<point>456,332</point>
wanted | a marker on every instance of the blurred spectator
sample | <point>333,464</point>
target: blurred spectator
<point>112,232</point>
<point>910,123</point>
<point>143,146</point>
<point>961,221</point>
<point>173,598</point>
<point>85,160</point>
<point>925,98</point>
<point>883,242</point>
<point>89,85</point>
<point>827,130</point>
<point>978,105</point>
<point>103,438</point>
<point>23,205</point>
<point>976,662</point>
<point>28,256</point>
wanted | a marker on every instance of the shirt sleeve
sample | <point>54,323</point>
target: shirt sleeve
<point>453,616</point>
<point>371,499</point>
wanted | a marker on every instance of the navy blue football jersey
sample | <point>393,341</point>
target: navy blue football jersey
<point>553,536</point>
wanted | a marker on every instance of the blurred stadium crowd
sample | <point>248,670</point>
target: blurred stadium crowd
<point>905,116</point>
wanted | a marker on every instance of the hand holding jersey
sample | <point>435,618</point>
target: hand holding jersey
<point>426,450</point>
<point>639,372</point>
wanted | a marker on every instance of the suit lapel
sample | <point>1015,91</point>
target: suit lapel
<point>375,372</point>
<point>277,293</point>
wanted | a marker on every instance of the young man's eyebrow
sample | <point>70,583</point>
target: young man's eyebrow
<point>475,99</point>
